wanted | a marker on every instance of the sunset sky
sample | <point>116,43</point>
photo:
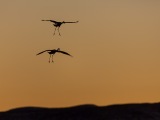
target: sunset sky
<point>115,48</point>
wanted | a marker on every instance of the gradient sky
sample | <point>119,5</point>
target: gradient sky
<point>115,47</point>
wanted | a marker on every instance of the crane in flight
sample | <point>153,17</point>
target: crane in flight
<point>52,52</point>
<point>58,25</point>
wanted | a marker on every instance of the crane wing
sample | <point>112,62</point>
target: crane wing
<point>50,21</point>
<point>72,22</point>
<point>43,52</point>
<point>64,53</point>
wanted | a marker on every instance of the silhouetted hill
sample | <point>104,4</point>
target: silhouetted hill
<point>144,111</point>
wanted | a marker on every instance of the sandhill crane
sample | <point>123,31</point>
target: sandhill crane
<point>58,25</point>
<point>52,52</point>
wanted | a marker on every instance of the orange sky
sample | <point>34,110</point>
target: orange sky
<point>115,47</point>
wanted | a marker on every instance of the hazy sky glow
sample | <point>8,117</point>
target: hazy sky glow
<point>115,47</point>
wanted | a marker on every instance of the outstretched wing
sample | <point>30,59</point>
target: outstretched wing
<point>50,20</point>
<point>72,22</point>
<point>64,53</point>
<point>43,52</point>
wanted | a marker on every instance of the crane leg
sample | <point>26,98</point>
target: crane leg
<point>49,58</point>
<point>52,58</point>
<point>59,32</point>
<point>54,31</point>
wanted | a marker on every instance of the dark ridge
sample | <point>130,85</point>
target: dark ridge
<point>144,111</point>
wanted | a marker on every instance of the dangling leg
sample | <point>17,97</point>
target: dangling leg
<point>52,58</point>
<point>54,31</point>
<point>59,32</point>
<point>49,58</point>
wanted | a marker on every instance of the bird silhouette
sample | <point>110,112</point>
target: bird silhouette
<point>52,52</point>
<point>58,25</point>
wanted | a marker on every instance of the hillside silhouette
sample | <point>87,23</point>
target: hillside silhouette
<point>145,111</point>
